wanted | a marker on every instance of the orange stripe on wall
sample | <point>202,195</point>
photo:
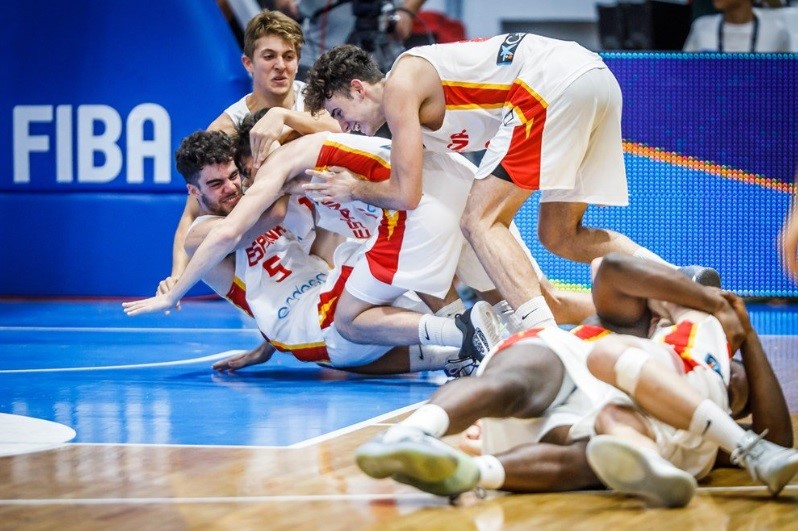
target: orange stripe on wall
<point>719,170</point>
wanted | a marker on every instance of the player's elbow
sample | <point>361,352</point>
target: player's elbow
<point>409,201</point>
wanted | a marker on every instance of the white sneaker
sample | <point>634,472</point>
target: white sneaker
<point>626,468</point>
<point>767,462</point>
<point>481,331</point>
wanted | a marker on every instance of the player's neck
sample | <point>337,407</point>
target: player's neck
<point>741,14</point>
<point>265,100</point>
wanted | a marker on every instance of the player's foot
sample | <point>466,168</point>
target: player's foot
<point>767,462</point>
<point>706,276</point>
<point>481,331</point>
<point>629,469</point>
<point>410,456</point>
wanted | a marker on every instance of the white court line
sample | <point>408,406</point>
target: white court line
<point>119,329</point>
<point>191,361</point>
<point>355,427</point>
<point>420,496</point>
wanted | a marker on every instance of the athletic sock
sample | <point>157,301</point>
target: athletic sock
<point>432,419</point>
<point>431,357</point>
<point>535,312</point>
<point>491,472</point>
<point>452,309</point>
<point>711,422</point>
<point>433,330</point>
<point>645,254</point>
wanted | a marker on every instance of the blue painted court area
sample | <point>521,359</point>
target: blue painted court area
<point>116,379</point>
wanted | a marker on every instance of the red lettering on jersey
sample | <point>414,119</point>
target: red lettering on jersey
<point>274,268</point>
<point>257,250</point>
<point>459,141</point>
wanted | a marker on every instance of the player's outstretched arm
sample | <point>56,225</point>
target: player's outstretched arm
<point>260,354</point>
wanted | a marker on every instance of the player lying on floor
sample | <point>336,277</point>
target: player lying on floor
<point>561,411</point>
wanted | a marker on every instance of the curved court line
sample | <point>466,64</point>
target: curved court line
<point>355,427</point>
<point>191,361</point>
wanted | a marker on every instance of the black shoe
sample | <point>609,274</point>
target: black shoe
<point>481,331</point>
<point>706,276</point>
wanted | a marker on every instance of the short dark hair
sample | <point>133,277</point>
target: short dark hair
<point>333,72</point>
<point>243,149</point>
<point>201,149</point>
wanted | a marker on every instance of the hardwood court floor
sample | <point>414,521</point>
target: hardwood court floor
<point>114,477</point>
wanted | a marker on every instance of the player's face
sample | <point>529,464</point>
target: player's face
<point>219,188</point>
<point>355,112</point>
<point>273,65</point>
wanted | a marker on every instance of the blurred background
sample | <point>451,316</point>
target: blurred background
<point>98,95</point>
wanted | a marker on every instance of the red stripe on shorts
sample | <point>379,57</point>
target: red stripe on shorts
<point>522,161</point>
<point>328,300</point>
<point>383,257</point>
<point>238,295</point>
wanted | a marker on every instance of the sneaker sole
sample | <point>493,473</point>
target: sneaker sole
<point>416,460</point>
<point>777,483</point>
<point>486,325</point>
<point>624,468</point>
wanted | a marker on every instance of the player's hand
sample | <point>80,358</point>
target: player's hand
<point>166,285</point>
<point>738,305</point>
<point>158,303</point>
<point>264,135</point>
<point>337,184</point>
<point>788,244</point>
<point>260,354</point>
<point>729,318</point>
<point>404,26</point>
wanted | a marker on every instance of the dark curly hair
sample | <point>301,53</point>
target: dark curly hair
<point>201,149</point>
<point>334,71</point>
<point>243,149</point>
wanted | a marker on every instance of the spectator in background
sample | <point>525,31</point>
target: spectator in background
<point>329,23</point>
<point>737,29</point>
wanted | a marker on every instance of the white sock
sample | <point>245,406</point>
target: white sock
<point>432,419</point>
<point>645,254</point>
<point>431,357</point>
<point>491,472</point>
<point>433,330</point>
<point>535,312</point>
<point>452,309</point>
<point>711,422</point>
<point>510,322</point>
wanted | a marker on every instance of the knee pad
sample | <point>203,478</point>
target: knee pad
<point>628,367</point>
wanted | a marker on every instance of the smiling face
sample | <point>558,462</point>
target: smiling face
<point>359,110</point>
<point>218,188</point>
<point>273,65</point>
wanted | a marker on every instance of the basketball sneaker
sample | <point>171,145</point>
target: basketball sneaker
<point>481,331</point>
<point>629,469</point>
<point>767,462</point>
<point>706,276</point>
<point>410,456</point>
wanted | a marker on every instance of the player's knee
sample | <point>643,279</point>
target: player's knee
<point>555,238</point>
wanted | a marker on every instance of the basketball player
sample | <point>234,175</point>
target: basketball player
<point>547,111</point>
<point>291,295</point>
<point>550,424</point>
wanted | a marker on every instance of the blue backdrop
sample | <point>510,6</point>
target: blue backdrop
<point>99,98</point>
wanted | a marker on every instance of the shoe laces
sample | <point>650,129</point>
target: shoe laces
<point>459,367</point>
<point>740,455</point>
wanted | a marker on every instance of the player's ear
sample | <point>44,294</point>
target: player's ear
<point>192,190</point>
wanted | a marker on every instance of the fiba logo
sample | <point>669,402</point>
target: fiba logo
<point>92,134</point>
